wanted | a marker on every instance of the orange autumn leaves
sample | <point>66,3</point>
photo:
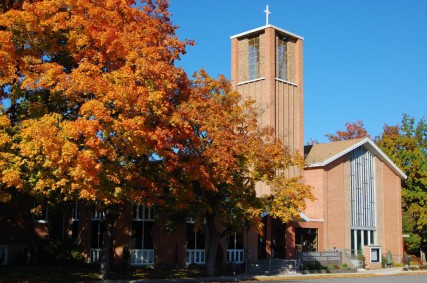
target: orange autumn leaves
<point>92,91</point>
<point>235,153</point>
<point>95,109</point>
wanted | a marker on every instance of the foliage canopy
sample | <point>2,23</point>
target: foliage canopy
<point>94,109</point>
<point>406,145</point>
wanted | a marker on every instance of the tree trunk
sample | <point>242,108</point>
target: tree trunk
<point>212,245</point>
<point>107,241</point>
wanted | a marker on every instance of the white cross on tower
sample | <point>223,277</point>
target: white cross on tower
<point>267,12</point>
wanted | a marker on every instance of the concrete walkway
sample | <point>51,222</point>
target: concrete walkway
<point>359,273</point>
<point>298,276</point>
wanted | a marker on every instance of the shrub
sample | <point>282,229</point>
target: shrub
<point>416,260</point>
<point>344,266</point>
<point>76,255</point>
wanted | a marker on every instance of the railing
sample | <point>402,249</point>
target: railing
<point>195,256</point>
<point>352,258</point>
<point>95,255</point>
<point>235,256</point>
<point>141,257</point>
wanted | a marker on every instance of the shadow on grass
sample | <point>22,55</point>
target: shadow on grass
<point>49,274</point>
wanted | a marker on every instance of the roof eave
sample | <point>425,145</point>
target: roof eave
<point>263,28</point>
<point>373,148</point>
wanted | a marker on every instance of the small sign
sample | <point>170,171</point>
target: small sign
<point>324,258</point>
<point>375,254</point>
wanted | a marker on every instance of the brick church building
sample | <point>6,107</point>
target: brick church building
<point>357,187</point>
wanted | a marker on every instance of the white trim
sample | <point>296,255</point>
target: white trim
<point>98,215</point>
<point>263,28</point>
<point>141,211</point>
<point>235,255</point>
<point>363,228</point>
<point>75,212</point>
<point>287,82</point>
<point>370,145</point>
<point>305,218</point>
<point>141,257</point>
<point>251,81</point>
<point>195,256</point>
<point>95,255</point>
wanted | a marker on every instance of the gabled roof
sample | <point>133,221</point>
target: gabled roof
<point>319,155</point>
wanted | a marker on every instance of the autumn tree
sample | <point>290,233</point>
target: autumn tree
<point>6,5</point>
<point>353,130</point>
<point>94,110</point>
<point>89,93</point>
<point>231,154</point>
<point>406,145</point>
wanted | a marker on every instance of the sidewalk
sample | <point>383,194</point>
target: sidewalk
<point>249,277</point>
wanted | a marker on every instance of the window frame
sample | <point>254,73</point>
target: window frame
<point>254,58</point>
<point>282,58</point>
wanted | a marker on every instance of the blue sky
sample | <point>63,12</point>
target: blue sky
<point>363,59</point>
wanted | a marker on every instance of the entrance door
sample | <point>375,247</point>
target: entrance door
<point>305,240</point>
<point>278,238</point>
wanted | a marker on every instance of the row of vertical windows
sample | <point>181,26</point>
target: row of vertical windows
<point>196,239</point>
<point>142,212</point>
<point>361,238</point>
<point>143,233</point>
<point>142,227</point>
<point>362,182</point>
<point>363,206</point>
<point>254,58</point>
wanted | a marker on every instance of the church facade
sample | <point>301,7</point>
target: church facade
<point>357,187</point>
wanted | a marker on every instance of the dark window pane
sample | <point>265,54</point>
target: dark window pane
<point>191,237</point>
<point>148,235</point>
<point>137,228</point>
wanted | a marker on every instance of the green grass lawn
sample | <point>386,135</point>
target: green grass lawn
<point>48,274</point>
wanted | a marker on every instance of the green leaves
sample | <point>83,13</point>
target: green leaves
<point>406,145</point>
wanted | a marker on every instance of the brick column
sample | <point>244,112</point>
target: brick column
<point>234,63</point>
<point>270,76</point>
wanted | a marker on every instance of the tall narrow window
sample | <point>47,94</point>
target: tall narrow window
<point>75,220</point>
<point>253,58</point>
<point>281,58</point>
<point>196,244</point>
<point>142,241</point>
<point>363,205</point>
<point>97,233</point>
<point>235,247</point>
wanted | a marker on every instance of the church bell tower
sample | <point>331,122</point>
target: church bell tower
<point>267,65</point>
